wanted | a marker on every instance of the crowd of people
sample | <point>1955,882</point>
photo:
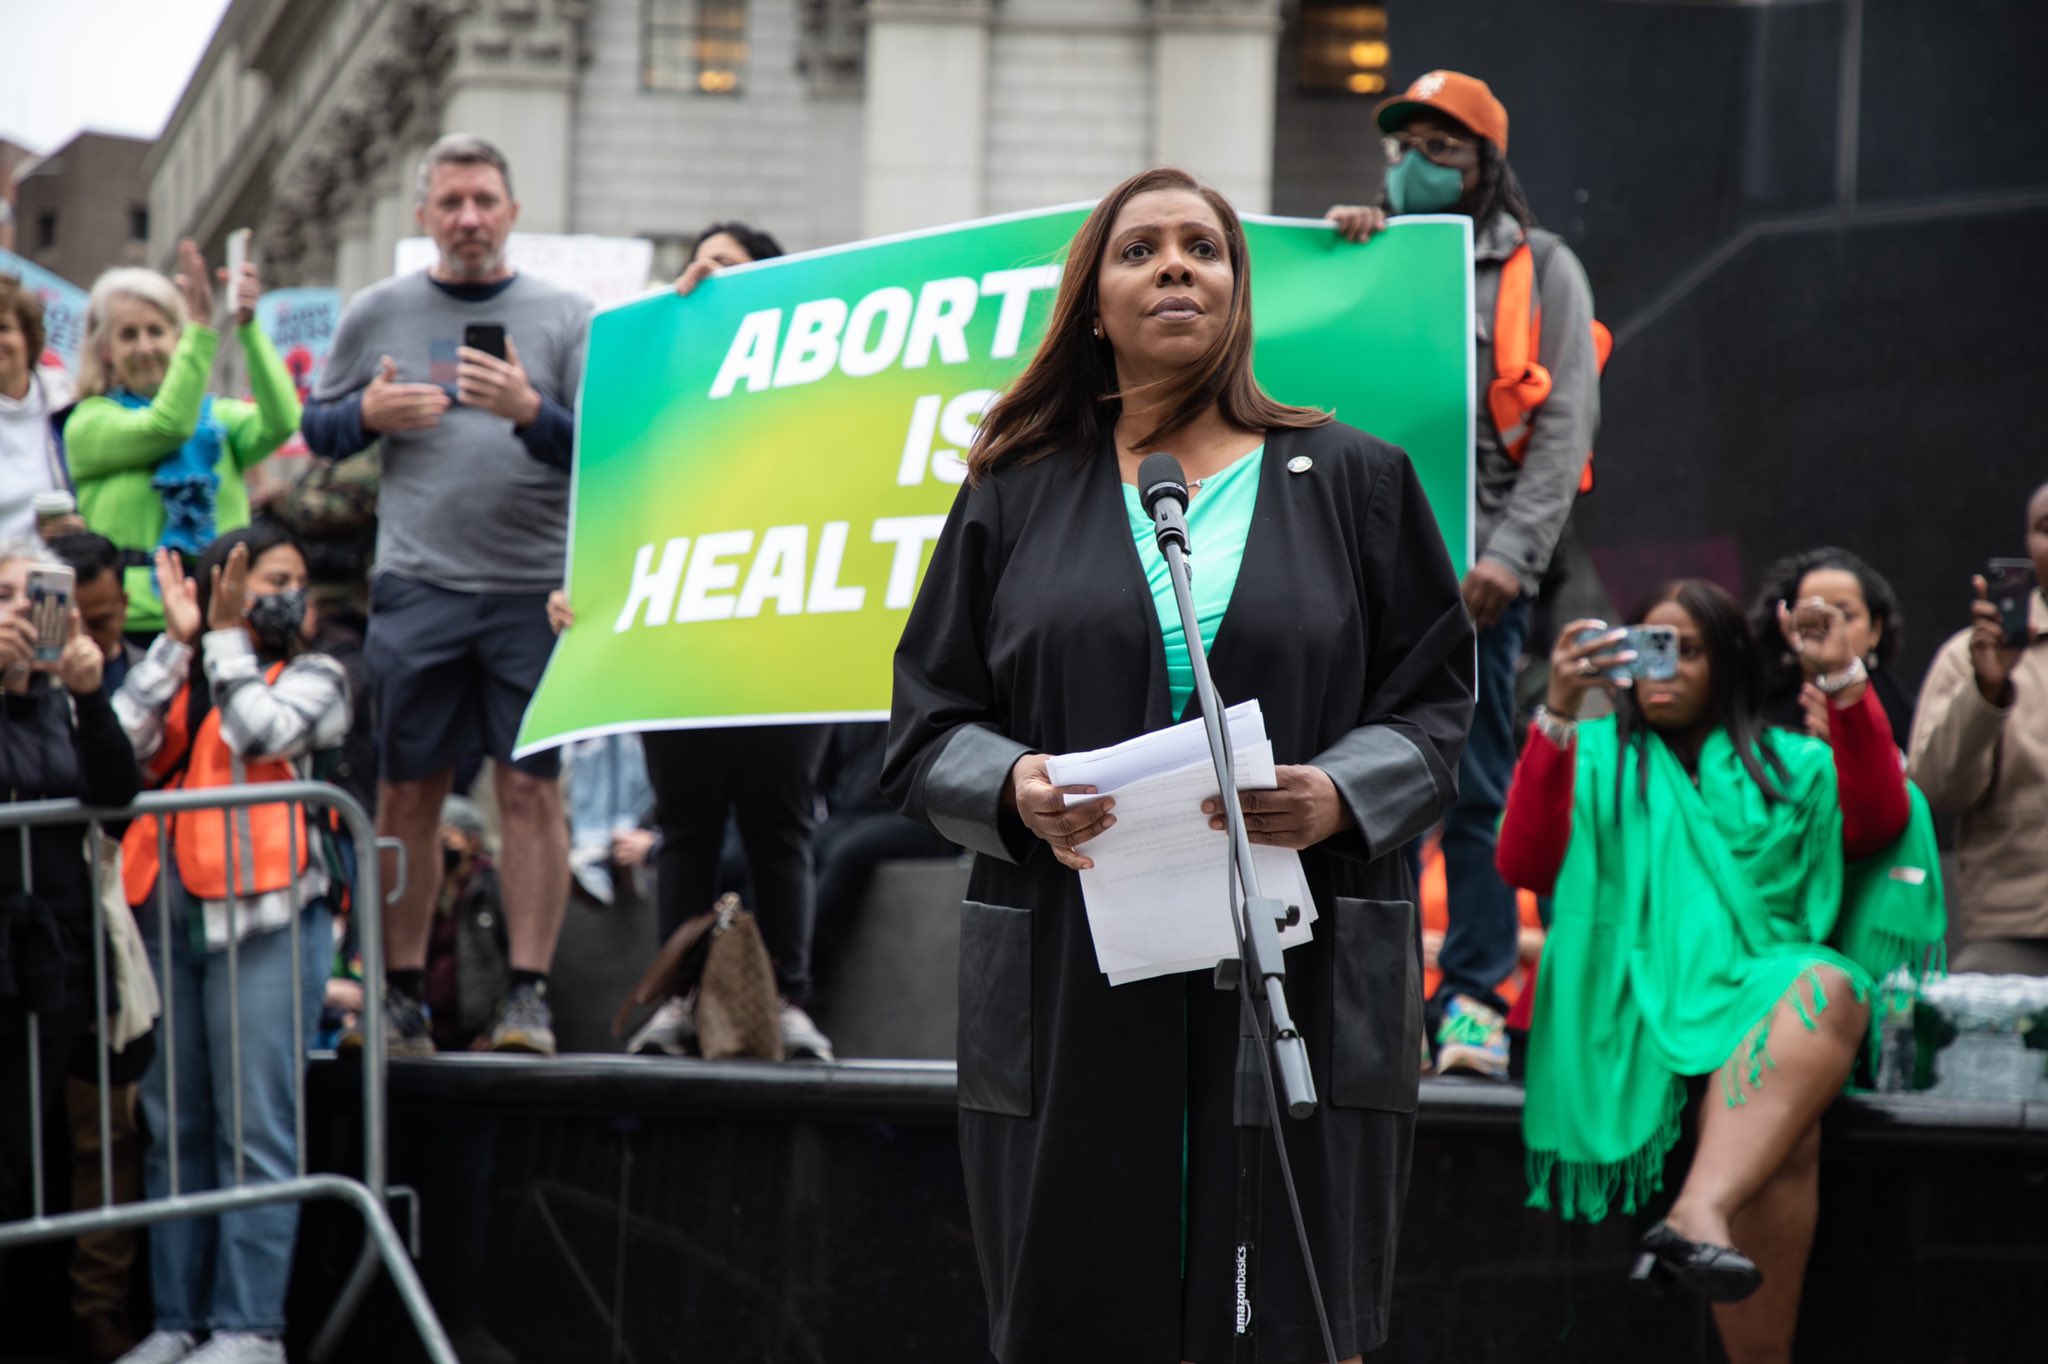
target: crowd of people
<point>1728,862</point>
<point>216,644</point>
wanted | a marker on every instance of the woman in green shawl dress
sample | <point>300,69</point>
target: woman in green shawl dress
<point>1726,895</point>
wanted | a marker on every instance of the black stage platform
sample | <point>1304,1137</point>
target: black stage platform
<point>610,1208</point>
<point>600,1208</point>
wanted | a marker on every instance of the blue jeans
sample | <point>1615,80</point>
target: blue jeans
<point>1482,938</point>
<point>608,791</point>
<point>228,1273</point>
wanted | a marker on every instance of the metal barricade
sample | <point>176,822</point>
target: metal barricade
<point>367,1195</point>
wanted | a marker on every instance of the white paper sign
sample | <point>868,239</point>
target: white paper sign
<point>603,269</point>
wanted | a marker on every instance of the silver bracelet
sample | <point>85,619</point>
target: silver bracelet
<point>1559,729</point>
<point>1831,683</point>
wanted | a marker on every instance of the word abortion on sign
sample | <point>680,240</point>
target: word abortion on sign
<point>762,467</point>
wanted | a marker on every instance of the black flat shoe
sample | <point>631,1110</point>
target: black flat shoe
<point>1716,1273</point>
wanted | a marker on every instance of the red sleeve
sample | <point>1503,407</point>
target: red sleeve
<point>1537,827</point>
<point>1869,779</point>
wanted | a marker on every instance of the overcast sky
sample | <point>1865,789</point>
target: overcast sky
<point>112,66</point>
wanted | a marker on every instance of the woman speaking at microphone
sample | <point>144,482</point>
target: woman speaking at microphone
<point>1096,1121</point>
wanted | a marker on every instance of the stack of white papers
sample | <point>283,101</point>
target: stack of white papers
<point>1158,896</point>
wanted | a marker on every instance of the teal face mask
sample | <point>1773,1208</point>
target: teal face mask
<point>1416,184</point>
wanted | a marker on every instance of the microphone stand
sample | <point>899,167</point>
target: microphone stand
<point>1270,1047</point>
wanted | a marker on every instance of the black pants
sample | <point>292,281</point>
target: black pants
<point>849,849</point>
<point>768,777</point>
<point>20,1111</point>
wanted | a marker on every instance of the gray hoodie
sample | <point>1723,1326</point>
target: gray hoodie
<point>1522,507</point>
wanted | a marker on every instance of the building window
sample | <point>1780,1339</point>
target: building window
<point>698,45</point>
<point>138,222</point>
<point>1344,48</point>
<point>46,230</point>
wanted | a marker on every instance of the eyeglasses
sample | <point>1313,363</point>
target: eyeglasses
<point>1438,147</point>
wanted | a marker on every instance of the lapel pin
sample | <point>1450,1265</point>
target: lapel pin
<point>1300,464</point>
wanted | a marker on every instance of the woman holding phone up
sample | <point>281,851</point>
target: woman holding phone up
<point>59,740</point>
<point>1712,919</point>
<point>158,463</point>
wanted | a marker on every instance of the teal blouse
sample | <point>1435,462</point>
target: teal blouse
<point>1219,523</point>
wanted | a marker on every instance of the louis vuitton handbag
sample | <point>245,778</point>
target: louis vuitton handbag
<point>720,954</point>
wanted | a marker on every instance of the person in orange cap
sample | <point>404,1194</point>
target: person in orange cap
<point>1538,409</point>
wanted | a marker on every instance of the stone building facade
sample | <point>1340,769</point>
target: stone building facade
<point>819,120</point>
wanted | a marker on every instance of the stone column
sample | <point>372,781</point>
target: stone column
<point>513,80</point>
<point>926,139</point>
<point>1213,69</point>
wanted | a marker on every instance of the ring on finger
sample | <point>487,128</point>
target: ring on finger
<point>1587,667</point>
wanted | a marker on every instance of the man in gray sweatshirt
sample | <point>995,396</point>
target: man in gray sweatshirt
<point>473,513</point>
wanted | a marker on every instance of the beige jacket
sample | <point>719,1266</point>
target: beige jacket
<point>1990,766</point>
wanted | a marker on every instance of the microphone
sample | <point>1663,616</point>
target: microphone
<point>1164,491</point>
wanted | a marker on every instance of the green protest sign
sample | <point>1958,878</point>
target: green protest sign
<point>762,467</point>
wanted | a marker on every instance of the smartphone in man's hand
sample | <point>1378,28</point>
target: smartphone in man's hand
<point>488,337</point>
<point>2011,584</point>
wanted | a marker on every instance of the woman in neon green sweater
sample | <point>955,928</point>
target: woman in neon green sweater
<point>157,462</point>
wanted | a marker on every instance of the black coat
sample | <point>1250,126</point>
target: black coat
<point>1035,632</point>
<point>47,753</point>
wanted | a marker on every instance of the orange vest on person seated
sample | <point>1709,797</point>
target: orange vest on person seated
<point>1521,384</point>
<point>263,838</point>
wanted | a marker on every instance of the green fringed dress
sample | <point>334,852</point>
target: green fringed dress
<point>1683,914</point>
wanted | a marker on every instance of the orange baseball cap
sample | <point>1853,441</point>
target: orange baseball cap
<point>1462,97</point>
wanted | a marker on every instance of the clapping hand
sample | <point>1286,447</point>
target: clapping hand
<point>243,291</point>
<point>1043,808</point>
<point>224,609</point>
<point>195,282</point>
<point>182,621</point>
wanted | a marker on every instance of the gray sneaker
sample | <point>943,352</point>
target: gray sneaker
<point>525,1023</point>
<point>801,1039</point>
<point>672,1031</point>
<point>406,1030</point>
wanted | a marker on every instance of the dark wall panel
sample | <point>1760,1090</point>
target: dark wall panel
<point>1797,367</point>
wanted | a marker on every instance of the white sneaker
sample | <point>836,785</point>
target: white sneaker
<point>161,1347</point>
<point>238,1347</point>
<point>801,1038</point>
<point>672,1030</point>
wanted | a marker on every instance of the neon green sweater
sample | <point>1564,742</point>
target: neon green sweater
<point>113,450</point>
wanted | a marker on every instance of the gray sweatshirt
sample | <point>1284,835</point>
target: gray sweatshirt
<point>1522,507</point>
<point>466,504</point>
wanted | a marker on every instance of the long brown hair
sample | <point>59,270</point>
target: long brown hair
<point>1067,395</point>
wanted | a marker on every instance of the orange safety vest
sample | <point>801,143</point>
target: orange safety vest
<point>262,837</point>
<point>1521,384</point>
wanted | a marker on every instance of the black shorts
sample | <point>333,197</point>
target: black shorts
<point>452,673</point>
